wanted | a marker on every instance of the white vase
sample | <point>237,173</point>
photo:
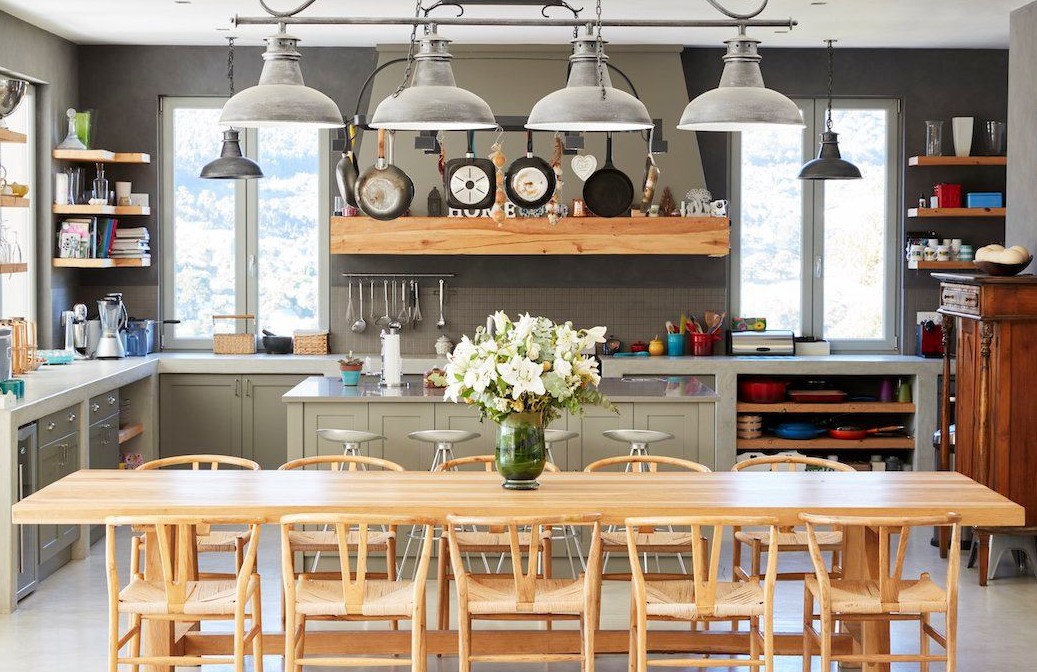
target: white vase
<point>962,129</point>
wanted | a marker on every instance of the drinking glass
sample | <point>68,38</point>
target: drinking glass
<point>934,138</point>
<point>995,136</point>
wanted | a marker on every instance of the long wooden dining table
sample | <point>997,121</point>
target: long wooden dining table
<point>88,497</point>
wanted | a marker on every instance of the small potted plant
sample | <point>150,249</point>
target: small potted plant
<point>350,368</point>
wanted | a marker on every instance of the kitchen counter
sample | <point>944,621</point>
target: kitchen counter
<point>613,367</point>
<point>682,389</point>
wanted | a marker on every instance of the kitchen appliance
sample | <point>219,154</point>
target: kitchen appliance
<point>929,339</point>
<point>139,337</point>
<point>112,312</point>
<point>26,543</point>
<point>771,342</point>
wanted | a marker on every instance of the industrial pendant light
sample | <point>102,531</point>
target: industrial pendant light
<point>430,100</point>
<point>588,102</point>
<point>829,164</point>
<point>231,165</point>
<point>741,102</point>
<point>281,98</point>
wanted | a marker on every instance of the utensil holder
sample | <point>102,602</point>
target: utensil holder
<point>234,344</point>
<point>675,345</point>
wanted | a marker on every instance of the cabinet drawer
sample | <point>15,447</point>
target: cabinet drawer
<point>104,405</point>
<point>56,425</point>
<point>960,298</point>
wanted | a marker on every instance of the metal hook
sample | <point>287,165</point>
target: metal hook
<point>291,12</point>
<point>564,5</point>
<point>734,15</point>
<point>444,3</point>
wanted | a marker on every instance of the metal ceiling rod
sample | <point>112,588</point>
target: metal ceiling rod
<point>545,23</point>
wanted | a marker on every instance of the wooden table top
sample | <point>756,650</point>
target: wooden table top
<point>89,496</point>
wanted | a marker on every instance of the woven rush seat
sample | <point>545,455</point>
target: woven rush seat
<point>309,541</point>
<point>646,541</point>
<point>676,599</point>
<point>493,542</point>
<point>222,541</point>
<point>324,597</point>
<point>793,540</point>
<point>863,597</point>
<point>215,596</point>
<point>552,596</point>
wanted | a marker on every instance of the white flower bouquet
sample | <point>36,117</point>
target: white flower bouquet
<point>529,366</point>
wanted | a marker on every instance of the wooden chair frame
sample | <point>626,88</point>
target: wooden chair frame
<point>890,575</point>
<point>525,584</point>
<point>705,558</point>
<point>177,564</point>
<point>354,583</point>
<point>755,545</point>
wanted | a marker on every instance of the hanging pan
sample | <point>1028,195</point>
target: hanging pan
<point>470,183</point>
<point>384,192</point>
<point>346,171</point>
<point>530,181</point>
<point>608,192</point>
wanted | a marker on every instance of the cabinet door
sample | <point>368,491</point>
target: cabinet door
<point>67,534</point>
<point>352,415</point>
<point>199,413</point>
<point>692,426</point>
<point>465,417</point>
<point>103,443</point>
<point>54,461</point>
<point>594,446</point>
<point>394,421</point>
<point>265,419</point>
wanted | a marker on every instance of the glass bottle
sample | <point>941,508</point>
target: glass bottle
<point>934,138</point>
<point>101,184</point>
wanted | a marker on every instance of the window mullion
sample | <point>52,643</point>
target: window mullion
<point>248,289</point>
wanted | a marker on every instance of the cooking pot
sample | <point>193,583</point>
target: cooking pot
<point>762,390</point>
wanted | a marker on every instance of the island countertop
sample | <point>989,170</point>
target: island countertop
<point>682,389</point>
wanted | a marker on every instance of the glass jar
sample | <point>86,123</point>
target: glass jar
<point>521,452</point>
<point>934,138</point>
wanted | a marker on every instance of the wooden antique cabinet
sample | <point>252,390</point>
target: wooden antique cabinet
<point>996,421</point>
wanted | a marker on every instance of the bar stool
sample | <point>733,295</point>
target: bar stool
<point>637,438</point>
<point>351,440</point>
<point>569,535</point>
<point>553,436</point>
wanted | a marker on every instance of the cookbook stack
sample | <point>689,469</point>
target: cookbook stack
<point>131,243</point>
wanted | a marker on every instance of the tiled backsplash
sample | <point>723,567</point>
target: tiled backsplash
<point>629,313</point>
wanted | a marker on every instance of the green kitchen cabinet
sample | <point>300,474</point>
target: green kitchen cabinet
<point>465,417</point>
<point>594,446</point>
<point>692,425</point>
<point>54,461</point>
<point>334,416</point>
<point>264,418</point>
<point>394,421</point>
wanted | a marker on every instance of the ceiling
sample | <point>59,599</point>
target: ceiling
<point>855,23</point>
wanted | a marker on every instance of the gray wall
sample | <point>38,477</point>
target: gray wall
<point>1021,228</point>
<point>50,63</point>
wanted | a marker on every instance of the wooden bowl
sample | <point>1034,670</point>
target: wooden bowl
<point>995,268</point>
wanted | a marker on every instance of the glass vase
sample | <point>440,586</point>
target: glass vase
<point>521,453</point>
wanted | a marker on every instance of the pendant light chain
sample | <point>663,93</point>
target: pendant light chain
<point>230,64</point>
<point>831,80</point>
<point>600,49</point>
<point>410,51</point>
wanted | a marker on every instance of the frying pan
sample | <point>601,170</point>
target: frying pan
<point>608,192</point>
<point>346,171</point>
<point>798,431</point>
<point>856,433</point>
<point>530,181</point>
<point>384,192</point>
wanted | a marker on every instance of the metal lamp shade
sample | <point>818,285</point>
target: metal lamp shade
<point>11,93</point>
<point>433,101</point>
<point>281,98</point>
<point>231,165</point>
<point>829,164</point>
<point>580,106</point>
<point>741,102</point>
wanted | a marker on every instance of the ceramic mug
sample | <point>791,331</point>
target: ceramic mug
<point>966,253</point>
<point>943,253</point>
<point>929,254</point>
<point>915,253</point>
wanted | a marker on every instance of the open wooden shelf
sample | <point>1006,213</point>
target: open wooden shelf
<point>129,432</point>
<point>846,407</point>
<point>824,443</point>
<point>101,263</point>
<point>533,236</point>
<point>923,265</point>
<point>956,212</point>
<point>958,161</point>
<point>21,267</point>
<point>124,210</point>
<point>13,202</point>
<point>100,156</point>
<point>13,137</point>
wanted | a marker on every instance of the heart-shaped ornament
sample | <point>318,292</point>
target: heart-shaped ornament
<point>584,166</point>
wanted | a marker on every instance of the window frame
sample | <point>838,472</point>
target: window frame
<point>813,229</point>
<point>246,215</point>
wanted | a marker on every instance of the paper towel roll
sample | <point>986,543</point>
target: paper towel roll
<point>392,361</point>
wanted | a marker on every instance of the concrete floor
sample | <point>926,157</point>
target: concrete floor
<point>63,625</point>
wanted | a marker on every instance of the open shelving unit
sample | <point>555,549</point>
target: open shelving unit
<point>956,212</point>
<point>123,210</point>
<point>13,202</point>
<point>108,262</point>
<point>847,407</point>
<point>15,267</point>
<point>958,161</point>
<point>13,137</point>
<point>130,432</point>
<point>870,444</point>
<point>923,265</point>
<point>100,156</point>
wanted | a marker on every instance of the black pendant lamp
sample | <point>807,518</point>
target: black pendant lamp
<point>829,164</point>
<point>231,165</point>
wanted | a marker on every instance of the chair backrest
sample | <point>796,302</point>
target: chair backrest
<point>177,552</point>
<point>646,463</point>
<point>524,574</point>
<point>353,578</point>
<point>707,535</point>
<point>890,565</point>
<point>340,462</point>
<point>196,462</point>
<point>488,462</point>
<point>791,463</point>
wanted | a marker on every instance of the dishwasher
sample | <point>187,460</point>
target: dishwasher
<point>27,549</point>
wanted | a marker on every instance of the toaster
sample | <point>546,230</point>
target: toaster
<point>772,342</point>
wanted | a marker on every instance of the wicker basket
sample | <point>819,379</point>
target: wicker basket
<point>310,343</point>
<point>233,344</point>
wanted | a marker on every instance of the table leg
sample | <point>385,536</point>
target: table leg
<point>861,562</point>
<point>984,555</point>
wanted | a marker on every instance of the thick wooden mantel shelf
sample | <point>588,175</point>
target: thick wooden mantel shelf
<point>572,235</point>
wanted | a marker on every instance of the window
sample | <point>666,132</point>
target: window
<point>238,247</point>
<point>819,257</point>
<point>17,242</point>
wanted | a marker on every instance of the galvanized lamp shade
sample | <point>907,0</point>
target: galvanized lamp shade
<point>741,102</point>
<point>829,164</point>
<point>281,98</point>
<point>588,102</point>
<point>231,165</point>
<point>433,101</point>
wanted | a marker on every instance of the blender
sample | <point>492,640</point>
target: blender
<point>113,316</point>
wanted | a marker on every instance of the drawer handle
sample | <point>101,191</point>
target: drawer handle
<point>71,417</point>
<point>51,426</point>
<point>95,406</point>
<point>111,400</point>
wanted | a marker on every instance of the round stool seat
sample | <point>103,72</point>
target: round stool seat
<point>636,436</point>
<point>348,435</point>
<point>443,435</point>
<point>558,435</point>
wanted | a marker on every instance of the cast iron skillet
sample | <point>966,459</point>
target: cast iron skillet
<point>608,192</point>
<point>346,172</point>
<point>384,192</point>
<point>530,181</point>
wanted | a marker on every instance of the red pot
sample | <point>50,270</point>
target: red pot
<point>762,390</point>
